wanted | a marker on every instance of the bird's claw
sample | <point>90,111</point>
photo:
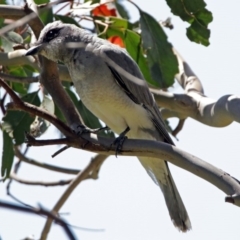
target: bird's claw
<point>118,142</point>
<point>79,129</point>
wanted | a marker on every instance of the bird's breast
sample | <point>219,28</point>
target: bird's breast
<point>101,94</point>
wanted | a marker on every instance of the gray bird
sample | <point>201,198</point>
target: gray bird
<point>112,87</point>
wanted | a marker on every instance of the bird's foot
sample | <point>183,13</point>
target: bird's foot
<point>118,142</point>
<point>79,129</point>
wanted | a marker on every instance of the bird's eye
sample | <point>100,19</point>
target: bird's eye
<point>52,34</point>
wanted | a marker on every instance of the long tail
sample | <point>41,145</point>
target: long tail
<point>158,170</point>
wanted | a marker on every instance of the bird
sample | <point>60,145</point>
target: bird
<point>112,87</point>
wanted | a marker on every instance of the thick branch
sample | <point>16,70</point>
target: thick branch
<point>186,77</point>
<point>194,104</point>
<point>159,150</point>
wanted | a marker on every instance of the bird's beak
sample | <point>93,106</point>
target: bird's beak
<point>33,50</point>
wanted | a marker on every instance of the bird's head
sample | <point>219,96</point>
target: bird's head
<point>54,39</point>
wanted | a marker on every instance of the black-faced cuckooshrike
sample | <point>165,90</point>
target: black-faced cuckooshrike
<point>112,87</point>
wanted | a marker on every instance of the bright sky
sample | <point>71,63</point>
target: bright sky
<point>124,201</point>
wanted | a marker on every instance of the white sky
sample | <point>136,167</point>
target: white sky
<point>124,201</point>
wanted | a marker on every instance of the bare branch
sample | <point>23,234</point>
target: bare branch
<point>40,183</point>
<point>40,211</point>
<point>44,165</point>
<point>186,77</point>
<point>194,104</point>
<point>12,78</point>
<point>92,166</point>
<point>159,150</point>
<point>179,158</point>
<point>6,59</point>
<point>179,127</point>
<point>12,94</point>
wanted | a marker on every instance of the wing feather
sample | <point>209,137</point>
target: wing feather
<point>139,93</point>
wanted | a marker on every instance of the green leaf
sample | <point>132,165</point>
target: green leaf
<point>178,9</point>
<point>59,114</point>
<point>198,33</point>
<point>15,123</point>
<point>7,155</point>
<point>19,87</point>
<point>116,28</point>
<point>91,120</point>
<point>119,23</point>
<point>195,13</point>
<point>29,70</point>
<point>92,1</point>
<point>47,15</point>
<point>66,19</point>
<point>14,37</point>
<point>193,6</point>
<point>204,17</point>
<point>6,45</point>
<point>132,41</point>
<point>9,39</point>
<point>122,10</point>
<point>19,72</point>
<point>162,62</point>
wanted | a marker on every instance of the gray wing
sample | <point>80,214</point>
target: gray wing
<point>139,93</point>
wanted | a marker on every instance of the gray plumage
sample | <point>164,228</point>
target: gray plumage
<point>110,94</point>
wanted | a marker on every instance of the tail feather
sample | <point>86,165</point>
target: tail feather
<point>160,173</point>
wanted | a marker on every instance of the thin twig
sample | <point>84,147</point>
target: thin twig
<point>2,103</point>
<point>44,165</point>
<point>12,94</point>
<point>60,151</point>
<point>18,79</point>
<point>39,183</point>
<point>80,177</point>
<point>24,20</point>
<point>37,111</point>
<point>179,127</point>
<point>40,211</point>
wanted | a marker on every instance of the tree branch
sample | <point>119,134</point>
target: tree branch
<point>25,159</point>
<point>194,104</point>
<point>40,211</point>
<point>159,150</point>
<point>40,183</point>
<point>91,168</point>
<point>12,78</point>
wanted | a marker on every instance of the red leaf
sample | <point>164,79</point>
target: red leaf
<point>116,40</point>
<point>103,10</point>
